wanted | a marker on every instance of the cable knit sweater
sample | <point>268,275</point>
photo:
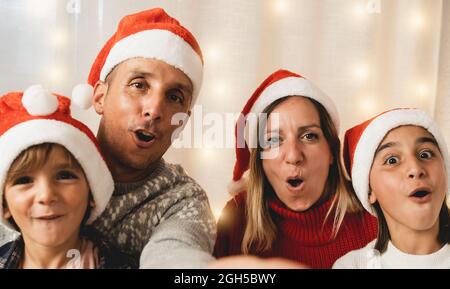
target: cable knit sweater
<point>300,236</point>
<point>165,220</point>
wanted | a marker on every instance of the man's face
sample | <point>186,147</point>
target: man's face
<point>137,103</point>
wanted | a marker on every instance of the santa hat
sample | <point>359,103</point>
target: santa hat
<point>362,141</point>
<point>148,34</point>
<point>279,84</point>
<point>36,117</point>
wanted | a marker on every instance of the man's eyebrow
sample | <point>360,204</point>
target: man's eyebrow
<point>385,146</point>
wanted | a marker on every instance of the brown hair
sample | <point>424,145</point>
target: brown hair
<point>35,158</point>
<point>260,231</point>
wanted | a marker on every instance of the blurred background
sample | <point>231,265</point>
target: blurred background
<point>368,55</point>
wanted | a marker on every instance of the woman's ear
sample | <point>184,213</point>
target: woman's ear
<point>372,198</point>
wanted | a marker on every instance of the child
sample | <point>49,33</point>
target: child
<point>399,166</point>
<point>53,182</point>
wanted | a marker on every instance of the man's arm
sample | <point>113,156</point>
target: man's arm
<point>184,238</point>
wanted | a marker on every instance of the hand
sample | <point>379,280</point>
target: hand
<point>254,262</point>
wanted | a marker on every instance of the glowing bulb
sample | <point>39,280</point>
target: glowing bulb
<point>368,105</point>
<point>361,72</point>
<point>418,21</point>
<point>359,10</point>
<point>220,89</point>
<point>217,213</point>
<point>59,38</point>
<point>281,6</point>
<point>56,74</point>
<point>213,53</point>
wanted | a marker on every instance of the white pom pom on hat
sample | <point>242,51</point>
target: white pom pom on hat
<point>38,101</point>
<point>82,95</point>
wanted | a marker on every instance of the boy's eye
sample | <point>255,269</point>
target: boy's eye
<point>22,181</point>
<point>391,161</point>
<point>426,155</point>
<point>66,175</point>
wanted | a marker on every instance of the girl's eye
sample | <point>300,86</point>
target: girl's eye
<point>391,161</point>
<point>311,136</point>
<point>426,155</point>
<point>66,175</point>
<point>22,181</point>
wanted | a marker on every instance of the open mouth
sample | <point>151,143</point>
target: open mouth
<point>144,136</point>
<point>420,194</point>
<point>295,182</point>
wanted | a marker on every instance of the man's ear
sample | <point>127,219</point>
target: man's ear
<point>6,213</point>
<point>100,91</point>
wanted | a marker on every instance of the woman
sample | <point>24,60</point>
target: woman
<point>296,203</point>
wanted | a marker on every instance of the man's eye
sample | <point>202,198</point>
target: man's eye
<point>66,175</point>
<point>22,181</point>
<point>391,161</point>
<point>176,98</point>
<point>138,85</point>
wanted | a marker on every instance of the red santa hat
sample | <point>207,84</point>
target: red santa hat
<point>279,84</point>
<point>35,117</point>
<point>148,34</point>
<point>362,141</point>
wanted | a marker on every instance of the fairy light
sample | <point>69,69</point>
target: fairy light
<point>361,72</point>
<point>418,21</point>
<point>281,6</point>
<point>368,105</point>
<point>217,213</point>
<point>213,53</point>
<point>56,74</point>
<point>59,38</point>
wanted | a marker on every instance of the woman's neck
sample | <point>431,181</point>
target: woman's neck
<point>37,256</point>
<point>414,242</point>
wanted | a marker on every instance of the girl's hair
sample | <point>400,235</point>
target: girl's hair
<point>383,230</point>
<point>260,231</point>
<point>33,159</point>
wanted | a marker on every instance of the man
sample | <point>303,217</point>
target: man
<point>149,71</point>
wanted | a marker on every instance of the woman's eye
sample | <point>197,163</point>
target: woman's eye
<point>273,141</point>
<point>310,136</point>
<point>426,155</point>
<point>22,181</point>
<point>66,175</point>
<point>391,161</point>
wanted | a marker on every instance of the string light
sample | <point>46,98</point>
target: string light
<point>213,53</point>
<point>56,74</point>
<point>281,6</point>
<point>368,106</point>
<point>361,72</point>
<point>418,21</point>
<point>217,213</point>
<point>59,38</point>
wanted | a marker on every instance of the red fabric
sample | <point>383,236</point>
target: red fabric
<point>300,236</point>
<point>13,113</point>
<point>131,24</point>
<point>242,153</point>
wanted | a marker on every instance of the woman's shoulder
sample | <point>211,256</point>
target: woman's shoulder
<point>356,259</point>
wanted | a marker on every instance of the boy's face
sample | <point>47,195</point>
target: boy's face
<point>408,179</point>
<point>48,205</point>
<point>137,103</point>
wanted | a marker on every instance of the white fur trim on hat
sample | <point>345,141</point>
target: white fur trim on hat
<point>82,95</point>
<point>375,133</point>
<point>39,101</point>
<point>34,132</point>
<point>158,44</point>
<point>291,86</point>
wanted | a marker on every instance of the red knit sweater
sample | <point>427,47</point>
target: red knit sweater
<point>300,236</point>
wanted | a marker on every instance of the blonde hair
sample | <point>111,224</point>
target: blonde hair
<point>260,230</point>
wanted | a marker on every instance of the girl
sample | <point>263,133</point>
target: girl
<point>399,166</point>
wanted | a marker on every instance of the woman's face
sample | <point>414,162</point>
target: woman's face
<point>300,154</point>
<point>408,179</point>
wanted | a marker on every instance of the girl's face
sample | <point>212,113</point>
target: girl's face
<point>301,155</point>
<point>48,205</point>
<point>408,179</point>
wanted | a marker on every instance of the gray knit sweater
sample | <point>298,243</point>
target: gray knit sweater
<point>165,220</point>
